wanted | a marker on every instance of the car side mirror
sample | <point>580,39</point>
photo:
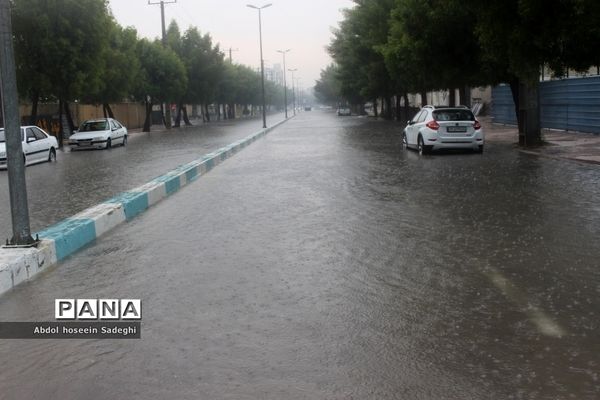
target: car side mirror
<point>410,122</point>
<point>29,140</point>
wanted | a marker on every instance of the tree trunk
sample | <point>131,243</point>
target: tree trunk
<point>148,120</point>
<point>398,109</point>
<point>424,98</point>
<point>186,120</point>
<point>166,114</point>
<point>218,112</point>
<point>388,108</point>
<point>207,112</point>
<point>162,114</point>
<point>35,99</point>
<point>406,107</point>
<point>178,116</point>
<point>452,97</point>
<point>514,89</point>
<point>232,111</point>
<point>60,124</point>
<point>465,96</point>
<point>69,117</point>
<point>108,112</point>
<point>529,106</point>
<point>375,111</point>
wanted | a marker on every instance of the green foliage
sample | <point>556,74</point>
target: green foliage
<point>328,89</point>
<point>416,45</point>
<point>162,73</point>
<point>66,40</point>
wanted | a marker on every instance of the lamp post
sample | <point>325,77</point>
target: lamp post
<point>293,88</point>
<point>262,62</point>
<point>284,82</point>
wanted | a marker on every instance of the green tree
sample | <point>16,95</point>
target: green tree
<point>67,39</point>
<point>355,49</point>
<point>517,37</point>
<point>120,69</point>
<point>162,77</point>
<point>328,89</point>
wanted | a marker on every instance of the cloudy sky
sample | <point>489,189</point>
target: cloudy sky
<point>303,26</point>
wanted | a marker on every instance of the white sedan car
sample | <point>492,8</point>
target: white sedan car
<point>100,133</point>
<point>37,145</point>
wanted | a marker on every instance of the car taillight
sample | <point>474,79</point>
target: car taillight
<point>477,125</point>
<point>433,125</point>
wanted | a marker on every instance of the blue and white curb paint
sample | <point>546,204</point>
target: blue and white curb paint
<point>70,235</point>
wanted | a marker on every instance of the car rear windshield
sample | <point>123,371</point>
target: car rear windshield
<point>453,115</point>
<point>92,126</point>
<point>3,136</point>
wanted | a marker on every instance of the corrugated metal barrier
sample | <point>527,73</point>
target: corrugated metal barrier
<point>569,104</point>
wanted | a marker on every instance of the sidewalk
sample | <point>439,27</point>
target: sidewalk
<point>574,146</point>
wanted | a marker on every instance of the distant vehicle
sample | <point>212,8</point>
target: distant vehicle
<point>37,145</point>
<point>344,111</point>
<point>436,128</point>
<point>100,133</point>
<point>307,108</point>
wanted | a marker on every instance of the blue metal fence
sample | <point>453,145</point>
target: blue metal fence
<point>569,104</point>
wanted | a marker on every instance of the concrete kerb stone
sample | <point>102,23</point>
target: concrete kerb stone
<point>70,235</point>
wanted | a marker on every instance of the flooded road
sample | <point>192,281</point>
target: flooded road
<point>324,262</point>
<point>82,179</point>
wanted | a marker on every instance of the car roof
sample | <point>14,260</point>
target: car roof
<point>24,127</point>
<point>461,107</point>
<point>97,120</point>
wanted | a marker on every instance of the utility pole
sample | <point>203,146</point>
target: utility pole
<point>162,3</point>
<point>19,209</point>
<point>262,61</point>
<point>230,51</point>
<point>293,89</point>
<point>284,81</point>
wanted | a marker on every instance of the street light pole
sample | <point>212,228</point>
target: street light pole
<point>284,81</point>
<point>17,187</point>
<point>262,62</point>
<point>293,89</point>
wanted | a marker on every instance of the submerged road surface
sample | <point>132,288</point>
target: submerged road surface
<point>81,179</point>
<point>323,262</point>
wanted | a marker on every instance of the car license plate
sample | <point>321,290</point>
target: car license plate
<point>456,128</point>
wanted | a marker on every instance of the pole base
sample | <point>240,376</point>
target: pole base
<point>12,244</point>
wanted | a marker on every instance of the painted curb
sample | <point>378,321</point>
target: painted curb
<point>65,238</point>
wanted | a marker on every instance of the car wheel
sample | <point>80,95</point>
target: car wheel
<point>420,145</point>
<point>480,149</point>
<point>24,160</point>
<point>404,141</point>
<point>52,155</point>
<point>124,140</point>
<point>108,143</point>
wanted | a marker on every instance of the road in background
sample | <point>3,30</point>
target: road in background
<point>324,262</point>
<point>82,179</point>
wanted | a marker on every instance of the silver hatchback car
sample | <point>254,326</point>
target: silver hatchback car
<point>443,127</point>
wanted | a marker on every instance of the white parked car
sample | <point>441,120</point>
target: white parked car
<point>443,127</point>
<point>344,111</point>
<point>38,146</point>
<point>100,133</point>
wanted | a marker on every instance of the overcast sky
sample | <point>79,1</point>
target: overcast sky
<point>303,26</point>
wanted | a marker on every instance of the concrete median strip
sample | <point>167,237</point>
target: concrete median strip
<point>70,235</point>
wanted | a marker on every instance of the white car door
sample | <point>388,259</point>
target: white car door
<point>44,143</point>
<point>411,130</point>
<point>114,132</point>
<point>31,147</point>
